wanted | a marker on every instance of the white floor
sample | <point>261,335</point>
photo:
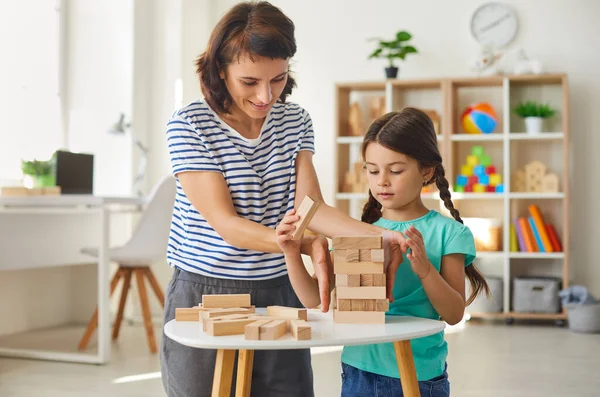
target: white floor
<point>485,360</point>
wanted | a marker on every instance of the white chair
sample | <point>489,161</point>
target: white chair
<point>147,244</point>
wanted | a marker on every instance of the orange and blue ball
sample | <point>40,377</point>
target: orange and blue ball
<point>479,118</point>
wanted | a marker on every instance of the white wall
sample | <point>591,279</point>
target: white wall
<point>334,48</point>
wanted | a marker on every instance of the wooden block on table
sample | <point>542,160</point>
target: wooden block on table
<point>366,280</point>
<point>347,280</point>
<point>382,305</point>
<point>369,305</point>
<point>344,305</point>
<point>379,280</point>
<point>252,330</point>
<point>226,301</point>
<point>357,268</point>
<point>227,327</point>
<point>358,317</point>
<point>287,312</point>
<point>370,256</point>
<point>361,293</point>
<point>300,330</point>
<point>306,211</point>
<point>357,242</point>
<point>206,321</point>
<point>351,255</point>
<point>358,305</point>
<point>273,330</point>
<point>210,313</point>
<point>188,313</point>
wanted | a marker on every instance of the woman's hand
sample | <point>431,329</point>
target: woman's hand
<point>394,245</point>
<point>419,262</point>
<point>284,233</point>
<point>317,247</point>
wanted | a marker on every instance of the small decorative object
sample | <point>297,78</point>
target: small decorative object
<point>38,173</point>
<point>355,121</point>
<point>397,48</point>
<point>356,181</point>
<point>435,119</point>
<point>479,118</point>
<point>534,178</point>
<point>487,233</point>
<point>377,107</point>
<point>524,65</point>
<point>485,62</point>
<point>534,114</point>
<point>494,24</point>
<point>478,175</point>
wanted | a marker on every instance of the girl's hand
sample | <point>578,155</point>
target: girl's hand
<point>394,245</point>
<point>418,257</point>
<point>284,232</point>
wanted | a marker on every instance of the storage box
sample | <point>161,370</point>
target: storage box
<point>536,295</point>
<point>483,304</point>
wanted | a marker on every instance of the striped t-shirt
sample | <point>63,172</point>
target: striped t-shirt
<point>261,177</point>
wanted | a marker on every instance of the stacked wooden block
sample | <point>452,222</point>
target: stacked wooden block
<point>359,280</point>
<point>233,314</point>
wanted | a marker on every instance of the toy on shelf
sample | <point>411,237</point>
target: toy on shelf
<point>534,234</point>
<point>435,119</point>
<point>18,191</point>
<point>359,280</point>
<point>479,118</point>
<point>534,178</point>
<point>487,233</point>
<point>355,121</point>
<point>234,315</point>
<point>356,181</point>
<point>478,175</point>
<point>377,107</point>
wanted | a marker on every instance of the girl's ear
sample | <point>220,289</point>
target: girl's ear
<point>428,173</point>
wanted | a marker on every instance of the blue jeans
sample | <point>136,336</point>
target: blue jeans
<point>359,383</point>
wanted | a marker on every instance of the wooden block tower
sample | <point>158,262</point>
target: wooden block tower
<point>359,280</point>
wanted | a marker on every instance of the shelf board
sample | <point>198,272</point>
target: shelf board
<point>536,255</point>
<point>477,196</point>
<point>490,254</point>
<point>363,86</point>
<point>544,136</point>
<point>536,196</point>
<point>356,140</point>
<point>417,84</point>
<point>545,78</point>
<point>476,137</point>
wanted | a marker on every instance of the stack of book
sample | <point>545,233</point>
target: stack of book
<point>532,234</point>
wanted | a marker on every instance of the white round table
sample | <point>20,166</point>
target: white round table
<point>325,332</point>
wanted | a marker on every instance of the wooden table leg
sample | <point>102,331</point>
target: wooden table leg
<point>223,373</point>
<point>244,373</point>
<point>406,367</point>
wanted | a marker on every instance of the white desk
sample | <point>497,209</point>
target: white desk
<point>72,204</point>
<point>325,332</point>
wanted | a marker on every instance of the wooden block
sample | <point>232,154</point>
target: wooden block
<point>357,268</point>
<point>361,293</point>
<point>14,191</point>
<point>273,330</point>
<point>519,183</point>
<point>306,211</point>
<point>382,305</point>
<point>226,301</point>
<point>347,280</point>
<point>227,327</point>
<point>252,330</point>
<point>351,255</point>
<point>344,305</point>
<point>534,172</point>
<point>366,280</point>
<point>358,305</point>
<point>188,313</point>
<point>371,256</point>
<point>210,313</point>
<point>358,317</point>
<point>378,280</point>
<point>550,183</point>
<point>300,330</point>
<point>287,312</point>
<point>206,321</point>
<point>369,305</point>
<point>357,242</point>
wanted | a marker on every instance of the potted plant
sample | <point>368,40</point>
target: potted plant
<point>534,114</point>
<point>40,173</point>
<point>394,49</point>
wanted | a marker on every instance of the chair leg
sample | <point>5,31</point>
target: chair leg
<point>139,275</point>
<point>155,286</point>
<point>93,324</point>
<point>119,319</point>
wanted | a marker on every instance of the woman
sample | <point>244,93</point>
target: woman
<point>243,158</point>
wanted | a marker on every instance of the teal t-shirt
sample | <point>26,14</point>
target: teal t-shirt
<point>441,236</point>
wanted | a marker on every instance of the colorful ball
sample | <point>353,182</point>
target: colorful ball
<point>479,118</point>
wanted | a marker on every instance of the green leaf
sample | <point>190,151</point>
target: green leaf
<point>533,109</point>
<point>410,49</point>
<point>376,53</point>
<point>403,36</point>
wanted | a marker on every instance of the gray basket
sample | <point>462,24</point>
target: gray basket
<point>536,295</point>
<point>584,318</point>
<point>482,304</point>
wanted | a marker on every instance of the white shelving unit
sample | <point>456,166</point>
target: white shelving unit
<point>510,147</point>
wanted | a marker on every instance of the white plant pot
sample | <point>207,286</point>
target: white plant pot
<point>534,125</point>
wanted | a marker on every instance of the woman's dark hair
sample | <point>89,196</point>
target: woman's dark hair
<point>410,132</point>
<point>253,29</point>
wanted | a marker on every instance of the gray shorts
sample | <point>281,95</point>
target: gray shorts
<point>188,372</point>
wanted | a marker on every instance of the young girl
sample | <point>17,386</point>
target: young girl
<point>401,156</point>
